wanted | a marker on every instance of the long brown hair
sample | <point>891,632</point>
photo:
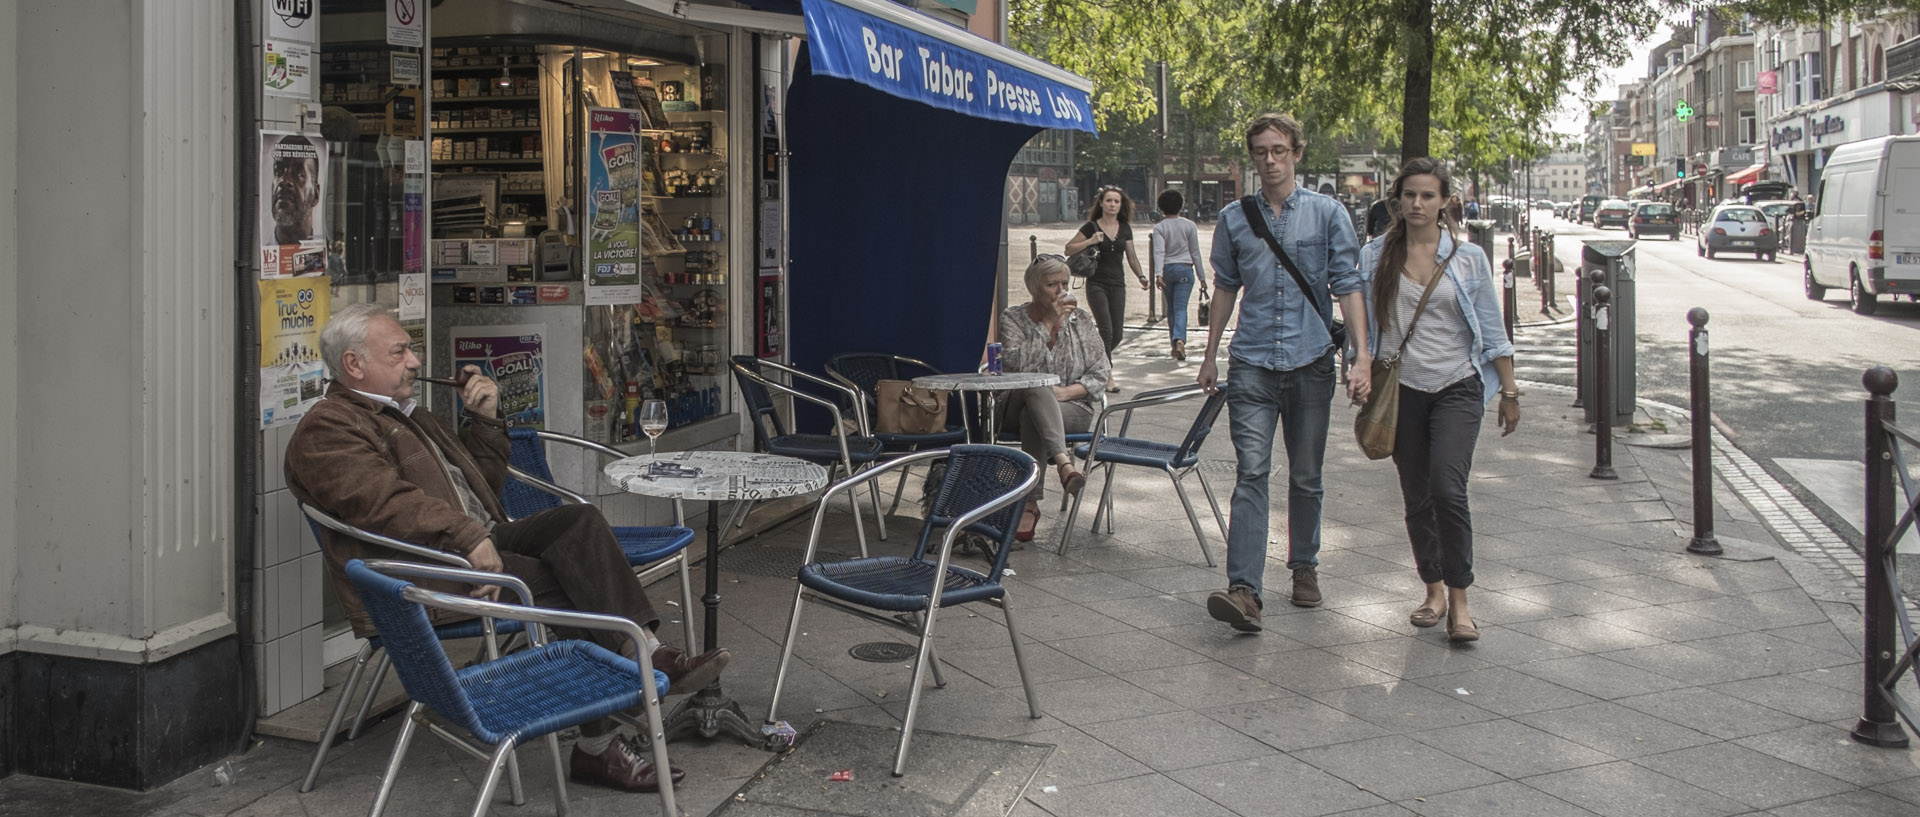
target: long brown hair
<point>1393,246</point>
<point>1126,204</point>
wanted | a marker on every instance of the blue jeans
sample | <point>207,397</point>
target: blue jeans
<point>1178,279</point>
<point>1301,403</point>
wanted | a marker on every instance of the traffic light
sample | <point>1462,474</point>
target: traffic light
<point>1679,168</point>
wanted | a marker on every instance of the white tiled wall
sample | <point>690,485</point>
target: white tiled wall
<point>287,577</point>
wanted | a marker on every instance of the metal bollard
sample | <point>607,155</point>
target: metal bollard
<point>1602,387</point>
<point>1703,542</point>
<point>1033,247</point>
<point>1546,287</point>
<point>1508,303</point>
<point>1878,724</point>
<point>1510,250</point>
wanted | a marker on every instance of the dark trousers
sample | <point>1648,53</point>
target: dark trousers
<point>1433,449</point>
<point>1108,303</point>
<point>570,560</point>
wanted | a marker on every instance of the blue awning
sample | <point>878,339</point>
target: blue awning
<point>914,57</point>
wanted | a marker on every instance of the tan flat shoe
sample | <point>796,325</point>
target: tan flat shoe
<point>1424,616</point>
<point>1460,632</point>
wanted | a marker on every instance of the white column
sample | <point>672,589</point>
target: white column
<point>125,327</point>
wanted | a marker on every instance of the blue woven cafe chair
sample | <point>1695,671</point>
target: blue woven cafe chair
<point>373,647</point>
<point>1109,451</point>
<point>652,550</point>
<point>509,701</point>
<point>980,492</point>
<point>838,450</point>
<point>863,371</point>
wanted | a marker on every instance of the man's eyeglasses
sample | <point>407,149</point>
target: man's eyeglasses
<point>1276,151</point>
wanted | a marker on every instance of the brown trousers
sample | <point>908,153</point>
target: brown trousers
<point>570,560</point>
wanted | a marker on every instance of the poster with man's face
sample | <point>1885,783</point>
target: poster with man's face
<point>293,213</point>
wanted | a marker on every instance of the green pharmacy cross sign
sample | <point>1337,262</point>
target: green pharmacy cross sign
<point>1682,111</point>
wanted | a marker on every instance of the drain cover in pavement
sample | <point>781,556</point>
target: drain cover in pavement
<point>947,775</point>
<point>882,652</point>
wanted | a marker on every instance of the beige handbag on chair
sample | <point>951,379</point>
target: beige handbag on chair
<point>905,409</point>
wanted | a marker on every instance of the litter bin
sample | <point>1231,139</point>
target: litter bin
<point>1616,259</point>
<point>1480,231</point>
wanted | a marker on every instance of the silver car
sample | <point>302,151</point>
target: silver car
<point>1738,228</point>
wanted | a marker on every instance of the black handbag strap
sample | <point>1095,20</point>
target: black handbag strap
<point>1258,223</point>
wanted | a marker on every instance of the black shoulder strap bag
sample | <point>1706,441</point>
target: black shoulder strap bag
<point>1258,222</point>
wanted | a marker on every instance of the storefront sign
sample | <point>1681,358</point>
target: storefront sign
<point>1682,111</point>
<point>293,212</point>
<point>1787,136</point>
<point>407,23</point>
<point>1768,83</point>
<point>292,376</point>
<point>515,358</point>
<point>1824,126</point>
<point>287,70</point>
<point>1644,149</point>
<point>613,206</point>
<point>851,44</point>
<point>1903,60</point>
<point>413,296</point>
<point>292,20</point>
<point>1733,157</point>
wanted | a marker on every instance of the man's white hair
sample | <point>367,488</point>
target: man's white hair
<point>347,330</point>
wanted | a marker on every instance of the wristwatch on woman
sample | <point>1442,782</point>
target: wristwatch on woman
<point>1510,395</point>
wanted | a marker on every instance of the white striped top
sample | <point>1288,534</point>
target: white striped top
<point>1441,351</point>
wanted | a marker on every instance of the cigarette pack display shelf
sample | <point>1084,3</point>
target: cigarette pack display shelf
<point>488,98</point>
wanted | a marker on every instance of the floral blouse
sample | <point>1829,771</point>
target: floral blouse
<point>1079,356</point>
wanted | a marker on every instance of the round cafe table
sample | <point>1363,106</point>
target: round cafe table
<point>715,476</point>
<point>989,385</point>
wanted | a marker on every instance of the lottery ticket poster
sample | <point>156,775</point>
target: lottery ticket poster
<point>613,206</point>
<point>515,357</point>
<point>292,377</point>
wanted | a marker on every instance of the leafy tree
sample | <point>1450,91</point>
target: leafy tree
<point>1473,80</point>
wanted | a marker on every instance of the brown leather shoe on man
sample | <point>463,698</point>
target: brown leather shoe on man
<point>1306,587</point>
<point>1237,607</point>
<point>689,673</point>
<point>622,766</point>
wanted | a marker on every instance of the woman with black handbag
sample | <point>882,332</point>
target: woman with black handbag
<point>1433,297</point>
<point>1109,229</point>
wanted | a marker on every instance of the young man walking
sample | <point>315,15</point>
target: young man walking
<point>1283,359</point>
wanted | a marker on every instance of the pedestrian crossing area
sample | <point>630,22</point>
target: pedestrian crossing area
<point>1546,353</point>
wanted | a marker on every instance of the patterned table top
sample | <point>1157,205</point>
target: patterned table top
<point>987,382</point>
<point>716,475</point>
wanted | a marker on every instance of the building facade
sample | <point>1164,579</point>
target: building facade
<point>1817,89</point>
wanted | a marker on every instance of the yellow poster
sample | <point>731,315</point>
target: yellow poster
<point>292,376</point>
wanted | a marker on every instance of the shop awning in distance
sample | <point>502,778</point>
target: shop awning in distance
<point>1752,172</point>
<point>1667,185</point>
<point>913,57</point>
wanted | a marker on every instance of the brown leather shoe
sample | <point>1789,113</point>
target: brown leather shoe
<point>689,673</point>
<point>1237,607</point>
<point>1306,587</point>
<point>622,766</point>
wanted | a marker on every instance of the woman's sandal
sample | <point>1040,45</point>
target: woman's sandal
<point>1029,519</point>
<point>1071,480</point>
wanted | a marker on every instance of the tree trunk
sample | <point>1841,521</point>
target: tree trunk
<point>1416,112</point>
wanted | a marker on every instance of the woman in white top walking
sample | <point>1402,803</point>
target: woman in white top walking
<point>1175,238</point>
<point>1457,358</point>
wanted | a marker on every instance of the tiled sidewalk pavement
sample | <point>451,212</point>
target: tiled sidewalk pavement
<point>1616,675</point>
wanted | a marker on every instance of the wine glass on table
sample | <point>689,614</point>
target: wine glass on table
<point>653,421</point>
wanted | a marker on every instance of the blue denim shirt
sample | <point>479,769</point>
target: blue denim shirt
<point>1473,286</point>
<point>1279,329</point>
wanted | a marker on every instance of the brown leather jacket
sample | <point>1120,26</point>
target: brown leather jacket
<point>368,465</point>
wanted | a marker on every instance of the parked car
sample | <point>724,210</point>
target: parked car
<point>1588,205</point>
<point>1776,209</point>
<point>1865,230</point>
<point>1656,217</point>
<point>1612,213</point>
<point>1737,228</point>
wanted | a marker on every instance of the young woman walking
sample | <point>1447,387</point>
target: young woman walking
<point>1108,227</point>
<point>1456,359</point>
<point>1179,244</point>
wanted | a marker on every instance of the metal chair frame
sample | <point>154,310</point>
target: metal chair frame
<point>920,621</point>
<point>369,647</point>
<point>764,436</point>
<point>501,755</point>
<point>646,572</point>
<point>1189,447</point>
<point>869,394</point>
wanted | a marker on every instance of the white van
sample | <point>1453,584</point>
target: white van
<point>1865,234</point>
